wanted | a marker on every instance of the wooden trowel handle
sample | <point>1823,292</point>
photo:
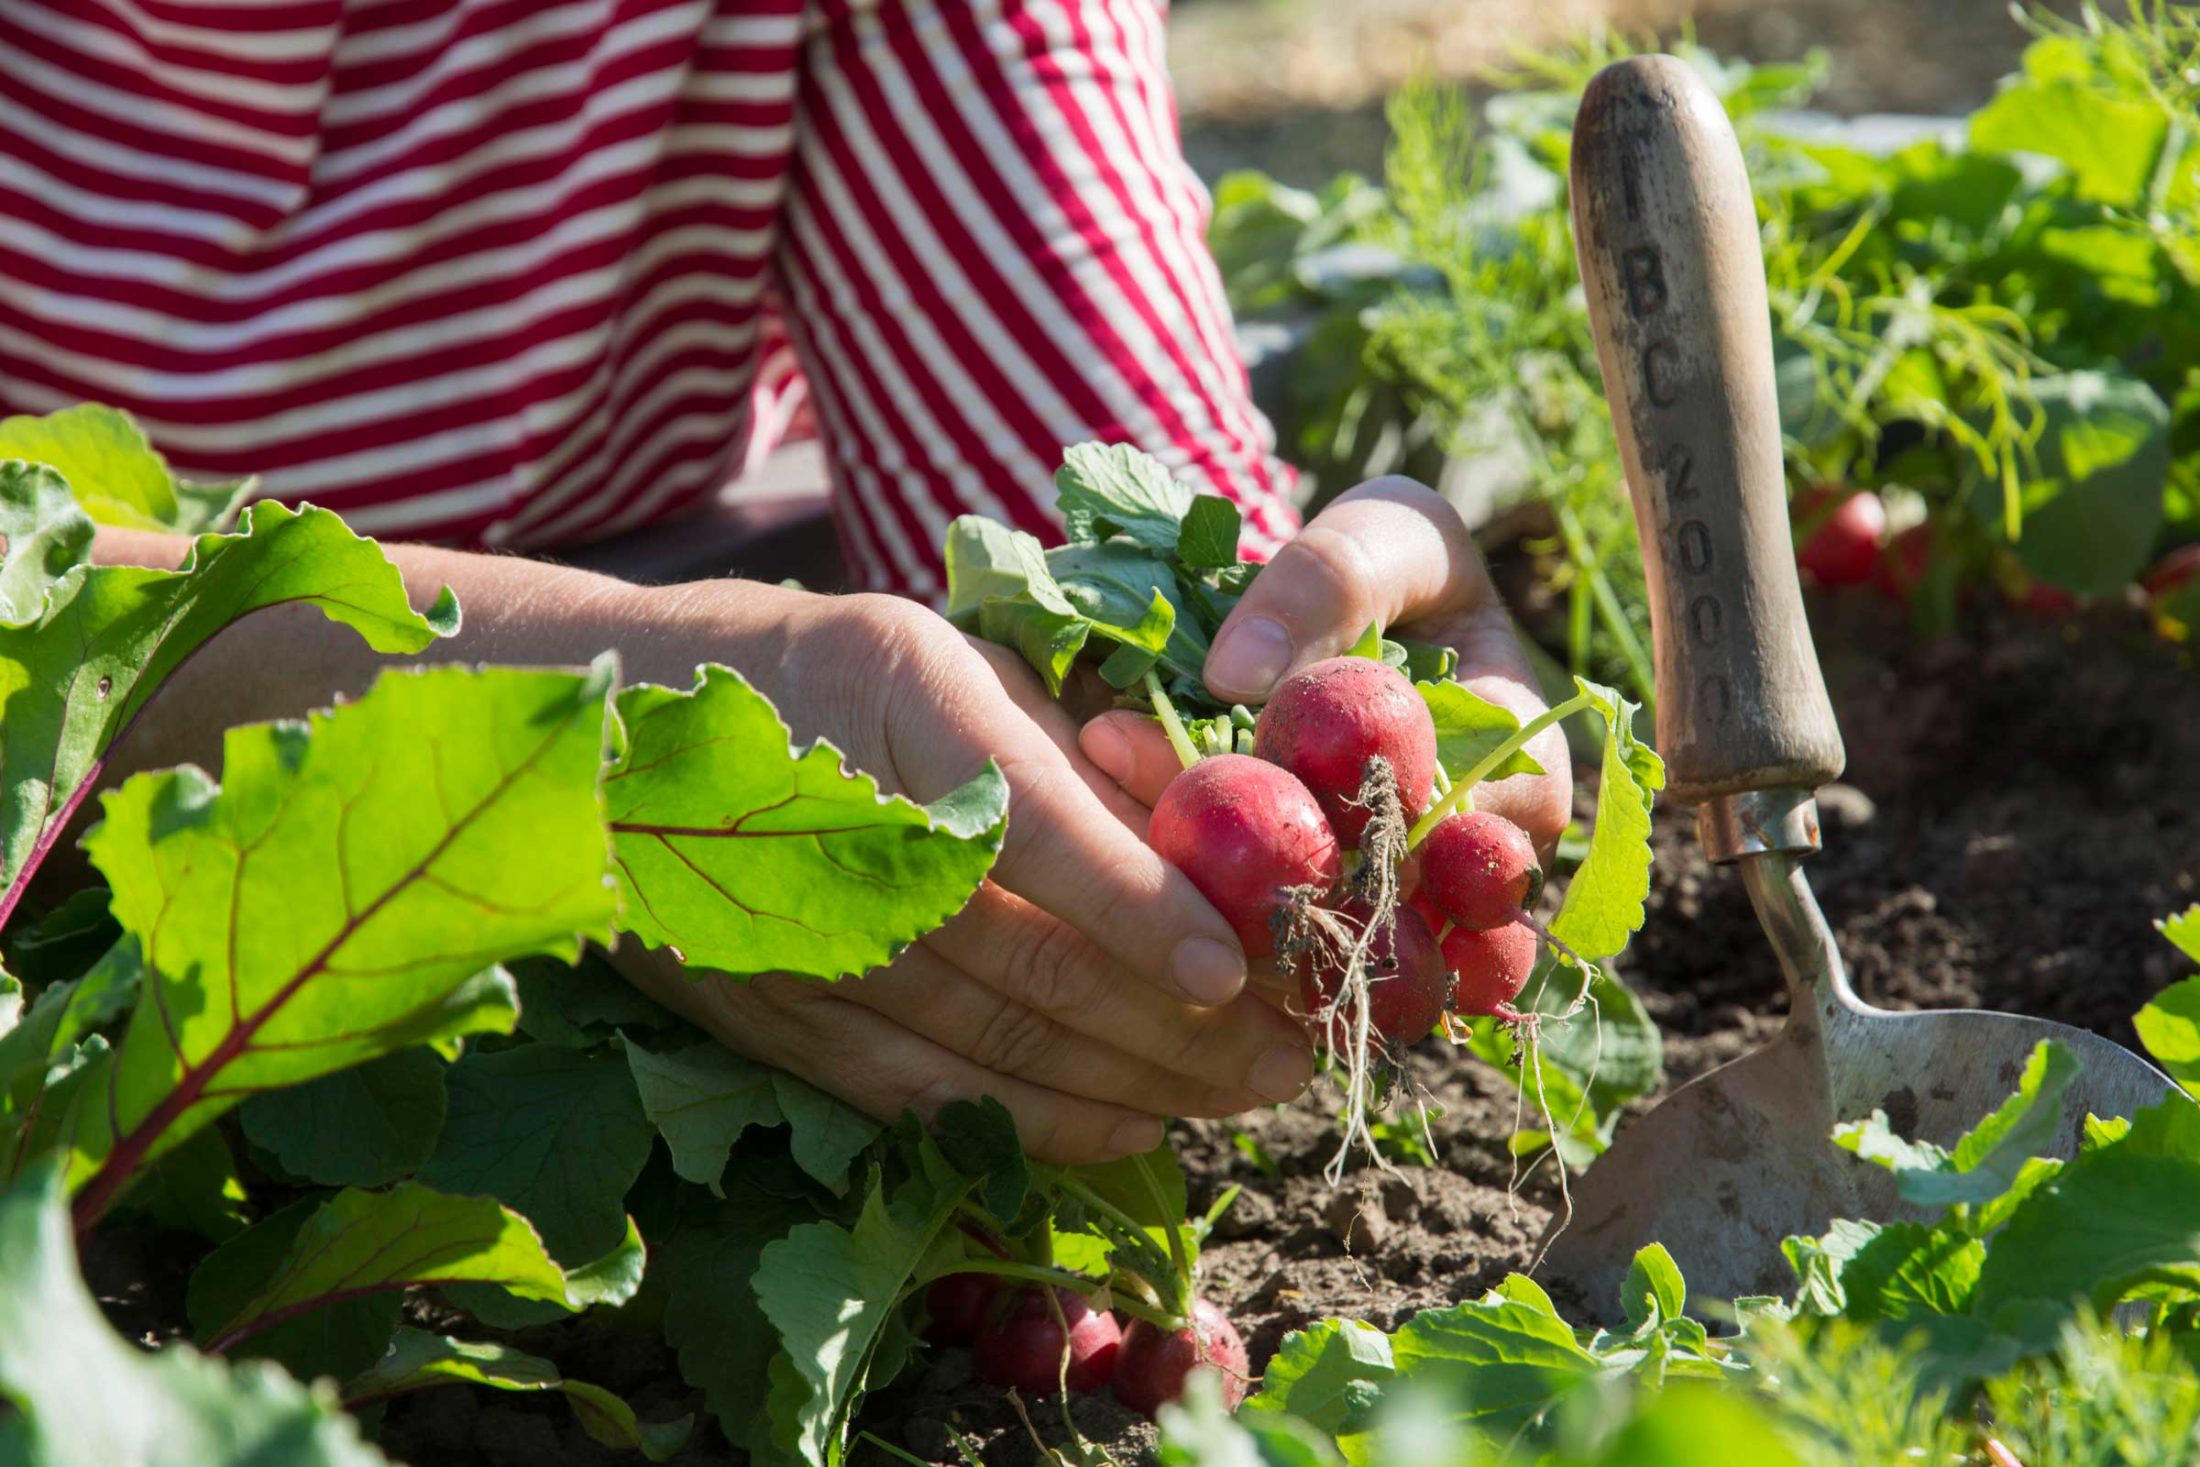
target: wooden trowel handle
<point>1667,237</point>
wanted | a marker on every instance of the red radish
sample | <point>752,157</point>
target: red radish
<point>1479,869</point>
<point>1843,531</point>
<point>958,1304</point>
<point>1155,1363</point>
<point>1244,831</point>
<point>1326,721</point>
<point>1420,904</point>
<point>1491,966</point>
<point>2171,571</point>
<point>1020,1347</point>
<point>1407,987</point>
<point>1409,876</point>
<point>1901,567</point>
<point>2049,603</point>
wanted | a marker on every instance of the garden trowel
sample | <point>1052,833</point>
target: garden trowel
<point>1730,1164</point>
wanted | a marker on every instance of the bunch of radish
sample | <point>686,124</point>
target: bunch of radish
<point>1320,847</point>
<point>1037,1339</point>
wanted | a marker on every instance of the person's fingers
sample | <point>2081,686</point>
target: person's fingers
<point>1540,804</point>
<point>1067,855</point>
<point>1059,723</point>
<point>1395,553</point>
<point>926,993</point>
<point>1131,749</point>
<point>1066,850</point>
<point>882,1067</point>
<point>1241,1054</point>
<point>1389,551</point>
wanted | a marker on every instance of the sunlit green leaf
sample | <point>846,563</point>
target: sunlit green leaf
<point>85,1397</point>
<point>748,855</point>
<point>340,895</point>
<point>115,473</point>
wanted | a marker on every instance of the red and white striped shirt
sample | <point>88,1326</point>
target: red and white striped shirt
<point>505,272</point>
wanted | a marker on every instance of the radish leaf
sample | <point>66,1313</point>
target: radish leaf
<point>701,1096</point>
<point>1331,1375</point>
<point>359,1243</point>
<point>1985,1160</point>
<point>1469,726</point>
<point>362,1127</point>
<point>1208,539</point>
<point>831,1292</point>
<point>1105,489</point>
<point>1603,904</point>
<point>610,1280</point>
<point>712,1319</point>
<point>2184,930</point>
<point>2111,1221</point>
<point>46,535</point>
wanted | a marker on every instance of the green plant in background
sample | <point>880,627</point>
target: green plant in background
<point>1992,321</point>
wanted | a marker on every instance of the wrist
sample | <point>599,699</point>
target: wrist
<point>666,632</point>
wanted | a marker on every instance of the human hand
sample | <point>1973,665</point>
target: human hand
<point>1389,552</point>
<point>1087,986</point>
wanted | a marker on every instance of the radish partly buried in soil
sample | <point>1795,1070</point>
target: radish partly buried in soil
<point>1020,1346</point>
<point>1155,1364</point>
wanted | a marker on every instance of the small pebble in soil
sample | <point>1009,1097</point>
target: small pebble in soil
<point>1992,862</point>
<point>930,1439</point>
<point>1252,1215</point>
<point>1845,807</point>
<point>1356,1222</point>
<point>1402,1197</point>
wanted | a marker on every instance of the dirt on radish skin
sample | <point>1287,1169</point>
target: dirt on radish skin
<point>1154,1364</point>
<point>1020,1346</point>
<point>1248,834</point>
<point>1324,723</point>
<point>1407,986</point>
<point>1479,870</point>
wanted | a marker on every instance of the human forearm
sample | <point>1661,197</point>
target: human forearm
<point>284,661</point>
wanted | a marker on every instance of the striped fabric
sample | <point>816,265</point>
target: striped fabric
<point>526,272</point>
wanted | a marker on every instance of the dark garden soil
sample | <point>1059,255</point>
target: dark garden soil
<point>2022,801</point>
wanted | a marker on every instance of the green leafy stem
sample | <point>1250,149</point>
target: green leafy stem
<point>1461,794</point>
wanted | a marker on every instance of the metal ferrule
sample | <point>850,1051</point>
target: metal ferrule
<point>1758,821</point>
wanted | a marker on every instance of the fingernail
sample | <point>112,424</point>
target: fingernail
<point>1207,971</point>
<point>1106,747</point>
<point>1282,1073</point>
<point>1133,1137</point>
<point>1249,658</point>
